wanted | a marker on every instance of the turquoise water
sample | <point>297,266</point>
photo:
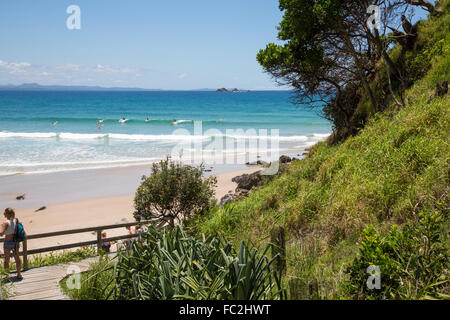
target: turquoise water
<point>58,131</point>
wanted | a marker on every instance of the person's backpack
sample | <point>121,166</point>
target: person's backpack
<point>19,234</point>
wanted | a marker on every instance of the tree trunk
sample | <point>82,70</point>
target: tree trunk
<point>391,68</point>
<point>360,71</point>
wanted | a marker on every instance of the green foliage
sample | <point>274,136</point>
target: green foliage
<point>413,263</point>
<point>332,61</point>
<point>172,265</point>
<point>95,283</point>
<point>394,168</point>
<point>5,290</point>
<point>55,257</point>
<point>309,61</point>
<point>422,61</point>
<point>173,192</point>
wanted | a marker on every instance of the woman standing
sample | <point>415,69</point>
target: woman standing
<point>8,228</point>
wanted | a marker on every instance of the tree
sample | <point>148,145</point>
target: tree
<point>328,52</point>
<point>173,192</point>
<point>324,50</point>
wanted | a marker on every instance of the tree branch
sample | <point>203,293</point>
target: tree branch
<point>424,4</point>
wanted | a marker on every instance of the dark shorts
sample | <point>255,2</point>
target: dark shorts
<point>11,245</point>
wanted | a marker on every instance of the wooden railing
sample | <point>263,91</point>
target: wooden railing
<point>25,252</point>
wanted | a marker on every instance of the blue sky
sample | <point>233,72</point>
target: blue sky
<point>169,44</point>
<point>161,44</point>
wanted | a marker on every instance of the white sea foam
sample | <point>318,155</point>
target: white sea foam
<point>74,163</point>
<point>321,135</point>
<point>81,156</point>
<point>81,136</point>
<point>149,137</point>
<point>28,134</point>
<point>51,167</point>
<point>159,137</point>
<point>182,121</point>
<point>267,137</point>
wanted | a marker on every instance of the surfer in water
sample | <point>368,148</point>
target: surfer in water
<point>174,122</point>
<point>147,120</point>
<point>55,123</point>
<point>123,120</point>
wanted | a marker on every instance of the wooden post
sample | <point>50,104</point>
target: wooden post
<point>99,241</point>
<point>303,290</point>
<point>314,290</point>
<point>278,240</point>
<point>296,290</point>
<point>25,253</point>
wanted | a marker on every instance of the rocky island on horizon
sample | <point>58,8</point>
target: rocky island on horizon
<point>231,90</point>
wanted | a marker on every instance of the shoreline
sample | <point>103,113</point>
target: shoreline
<point>92,197</point>
<point>96,211</point>
<point>45,189</point>
<point>50,188</point>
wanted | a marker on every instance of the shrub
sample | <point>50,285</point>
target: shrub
<point>54,258</point>
<point>173,192</point>
<point>96,284</point>
<point>172,265</point>
<point>413,263</point>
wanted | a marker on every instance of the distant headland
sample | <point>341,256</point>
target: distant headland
<point>39,87</point>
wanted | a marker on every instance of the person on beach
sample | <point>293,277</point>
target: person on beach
<point>106,246</point>
<point>8,228</point>
<point>128,241</point>
<point>139,230</point>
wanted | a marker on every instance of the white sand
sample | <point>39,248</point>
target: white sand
<point>94,212</point>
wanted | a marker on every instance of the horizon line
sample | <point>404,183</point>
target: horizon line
<point>36,86</point>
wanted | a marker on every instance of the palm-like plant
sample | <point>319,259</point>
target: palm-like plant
<point>173,265</point>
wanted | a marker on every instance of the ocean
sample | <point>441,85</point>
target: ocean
<point>42,131</point>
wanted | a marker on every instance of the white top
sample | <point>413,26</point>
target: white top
<point>11,227</point>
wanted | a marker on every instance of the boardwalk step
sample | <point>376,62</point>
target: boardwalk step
<point>43,283</point>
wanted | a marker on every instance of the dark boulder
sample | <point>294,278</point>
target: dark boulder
<point>441,89</point>
<point>226,199</point>
<point>285,159</point>
<point>247,181</point>
<point>256,163</point>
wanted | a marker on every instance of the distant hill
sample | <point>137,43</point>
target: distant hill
<point>38,87</point>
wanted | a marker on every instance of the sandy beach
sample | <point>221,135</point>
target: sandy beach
<point>95,210</point>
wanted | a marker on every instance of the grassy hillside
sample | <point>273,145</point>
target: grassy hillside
<point>394,169</point>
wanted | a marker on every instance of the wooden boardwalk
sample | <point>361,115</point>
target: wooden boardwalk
<point>43,283</point>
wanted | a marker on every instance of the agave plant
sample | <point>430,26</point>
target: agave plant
<point>170,264</point>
